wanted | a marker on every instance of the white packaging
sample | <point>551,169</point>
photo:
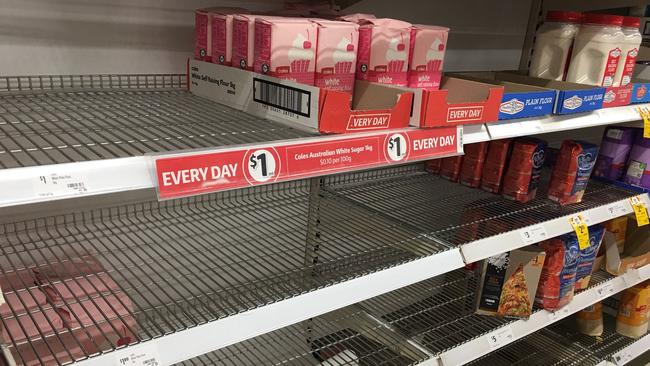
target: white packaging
<point>596,50</point>
<point>629,51</point>
<point>553,43</point>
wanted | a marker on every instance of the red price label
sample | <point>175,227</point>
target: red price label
<point>191,174</point>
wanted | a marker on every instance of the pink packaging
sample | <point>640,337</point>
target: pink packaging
<point>243,40</point>
<point>426,55</point>
<point>222,39</point>
<point>383,51</point>
<point>357,17</point>
<point>31,325</point>
<point>77,288</point>
<point>336,55</point>
<point>203,30</point>
<point>285,48</point>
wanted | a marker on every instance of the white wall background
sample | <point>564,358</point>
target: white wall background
<point>155,36</point>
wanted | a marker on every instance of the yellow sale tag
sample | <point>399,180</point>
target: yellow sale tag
<point>640,211</point>
<point>645,114</point>
<point>581,229</point>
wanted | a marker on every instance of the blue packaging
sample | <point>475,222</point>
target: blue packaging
<point>640,93</point>
<point>520,104</point>
<point>588,256</point>
<point>579,100</point>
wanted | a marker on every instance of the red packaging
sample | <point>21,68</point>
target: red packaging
<point>203,30</point>
<point>495,165</point>
<point>524,170</point>
<point>433,166</point>
<point>557,282</point>
<point>473,161</point>
<point>572,171</point>
<point>450,167</point>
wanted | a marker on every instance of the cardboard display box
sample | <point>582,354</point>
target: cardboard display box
<point>374,107</point>
<point>640,91</point>
<point>636,252</point>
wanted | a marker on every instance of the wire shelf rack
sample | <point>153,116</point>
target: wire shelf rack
<point>51,120</point>
<point>92,280</point>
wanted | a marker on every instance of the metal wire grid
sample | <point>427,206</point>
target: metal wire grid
<point>81,125</point>
<point>452,212</point>
<point>560,344</point>
<point>187,262</point>
<point>55,82</point>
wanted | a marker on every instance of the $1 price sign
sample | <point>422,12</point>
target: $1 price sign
<point>262,165</point>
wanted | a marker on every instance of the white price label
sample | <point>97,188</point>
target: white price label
<point>586,217</point>
<point>533,234</point>
<point>560,313</point>
<point>145,354</point>
<point>262,165</point>
<point>605,290</point>
<point>60,184</point>
<point>500,337</point>
<point>618,209</point>
<point>397,147</point>
<point>622,358</point>
<point>631,277</point>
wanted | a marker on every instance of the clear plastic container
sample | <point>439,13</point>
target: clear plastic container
<point>596,50</point>
<point>629,50</point>
<point>553,43</point>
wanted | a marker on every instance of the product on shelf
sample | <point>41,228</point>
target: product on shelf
<point>357,17</point>
<point>450,167</point>
<point>472,166</point>
<point>588,256</point>
<point>433,166</point>
<point>636,251</point>
<point>495,165</point>
<point>221,28</point>
<point>243,41</point>
<point>629,51</point>
<point>524,169</point>
<point>509,283</point>
<point>553,43</point>
<point>617,227</point>
<point>596,50</point>
<point>285,48</point>
<point>428,44</point>
<point>614,151</point>
<point>336,55</point>
<point>571,172</point>
<point>557,282</point>
<point>203,30</point>
<point>638,172</point>
<point>632,317</point>
<point>590,320</point>
<point>383,51</point>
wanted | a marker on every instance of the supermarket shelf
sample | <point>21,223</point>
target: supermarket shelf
<point>480,223</point>
<point>210,271</point>
<point>629,353</point>
<point>475,133</point>
<point>555,123</point>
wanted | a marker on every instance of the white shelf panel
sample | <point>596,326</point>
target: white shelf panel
<point>475,133</point>
<point>629,353</point>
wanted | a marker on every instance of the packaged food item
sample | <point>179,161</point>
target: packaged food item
<point>243,40</point>
<point>590,320</point>
<point>284,48</point>
<point>509,283</point>
<point>618,228</point>
<point>221,38</point>
<point>428,44</point>
<point>450,167</point>
<point>632,317</point>
<point>524,169</point>
<point>433,166</point>
<point>495,165</point>
<point>557,282</point>
<point>596,50</point>
<point>383,51</point>
<point>572,171</point>
<point>472,167</point>
<point>203,30</point>
<point>636,250</point>
<point>357,17</point>
<point>336,55</point>
<point>629,50</point>
<point>553,44</point>
<point>614,151</point>
<point>638,172</point>
<point>588,256</point>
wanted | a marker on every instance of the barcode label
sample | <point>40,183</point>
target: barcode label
<point>60,184</point>
<point>145,354</point>
<point>283,97</point>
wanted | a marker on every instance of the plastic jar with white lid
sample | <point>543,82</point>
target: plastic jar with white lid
<point>629,50</point>
<point>596,50</point>
<point>553,43</point>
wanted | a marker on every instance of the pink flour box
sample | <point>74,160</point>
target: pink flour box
<point>222,38</point>
<point>203,30</point>
<point>357,17</point>
<point>286,48</point>
<point>243,41</point>
<point>383,51</point>
<point>426,56</point>
<point>336,55</point>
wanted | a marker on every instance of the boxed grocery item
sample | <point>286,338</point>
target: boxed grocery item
<point>519,100</point>
<point>640,91</point>
<point>572,171</point>
<point>472,166</point>
<point>433,166</point>
<point>636,252</point>
<point>638,171</point>
<point>569,97</point>
<point>495,165</point>
<point>203,30</point>
<point>617,228</point>
<point>221,38</point>
<point>357,17</point>
<point>426,56</point>
<point>633,307</point>
<point>614,151</point>
<point>509,282</point>
<point>557,282</point>
<point>243,41</point>
<point>450,167</point>
<point>524,169</point>
<point>588,257</point>
<point>336,55</point>
<point>285,48</point>
<point>374,106</point>
<point>383,51</point>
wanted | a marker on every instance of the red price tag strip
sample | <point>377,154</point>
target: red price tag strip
<point>199,173</point>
